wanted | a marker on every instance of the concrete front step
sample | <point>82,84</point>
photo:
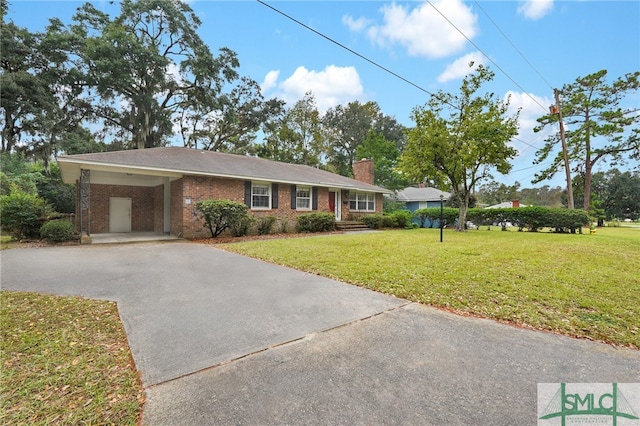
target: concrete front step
<point>351,226</point>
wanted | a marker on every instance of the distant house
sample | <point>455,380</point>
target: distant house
<point>507,205</point>
<point>157,189</point>
<point>420,198</point>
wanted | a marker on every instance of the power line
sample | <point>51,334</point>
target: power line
<point>350,50</point>
<point>513,45</point>
<point>486,56</point>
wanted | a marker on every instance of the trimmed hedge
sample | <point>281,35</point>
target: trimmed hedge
<point>58,230</point>
<point>532,218</point>
<point>316,222</point>
<point>220,215</point>
<point>431,216</point>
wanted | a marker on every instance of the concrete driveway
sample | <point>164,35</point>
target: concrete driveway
<point>223,339</point>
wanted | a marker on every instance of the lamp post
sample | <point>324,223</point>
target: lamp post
<point>441,218</point>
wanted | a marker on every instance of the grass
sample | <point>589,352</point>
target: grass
<point>585,286</point>
<point>65,360</point>
<point>4,241</point>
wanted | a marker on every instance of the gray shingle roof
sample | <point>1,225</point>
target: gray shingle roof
<point>421,194</point>
<point>190,161</point>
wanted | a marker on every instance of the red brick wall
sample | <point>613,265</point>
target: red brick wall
<point>197,189</point>
<point>158,209</point>
<point>175,207</point>
<point>142,207</point>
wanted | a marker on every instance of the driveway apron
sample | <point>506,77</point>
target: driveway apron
<point>223,339</point>
<point>186,307</point>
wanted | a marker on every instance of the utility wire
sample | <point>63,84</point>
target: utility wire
<point>346,48</point>
<point>513,45</point>
<point>388,70</point>
<point>486,56</point>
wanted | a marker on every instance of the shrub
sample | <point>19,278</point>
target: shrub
<point>220,215</point>
<point>243,227</point>
<point>373,221</point>
<point>22,214</point>
<point>402,218</point>
<point>58,230</point>
<point>316,222</point>
<point>265,224</point>
<point>389,221</point>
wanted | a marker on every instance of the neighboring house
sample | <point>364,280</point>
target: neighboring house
<point>507,205</point>
<point>157,189</point>
<point>420,198</point>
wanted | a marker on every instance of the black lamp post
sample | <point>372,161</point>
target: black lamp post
<point>441,218</point>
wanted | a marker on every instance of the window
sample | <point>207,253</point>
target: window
<point>260,195</point>
<point>362,201</point>
<point>303,198</point>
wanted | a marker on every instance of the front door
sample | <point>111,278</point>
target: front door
<point>119,214</point>
<point>334,203</point>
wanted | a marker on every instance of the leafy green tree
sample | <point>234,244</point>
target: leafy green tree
<point>494,192</point>
<point>598,126</point>
<point>296,135</point>
<point>147,65</point>
<point>459,138</point>
<point>24,96</point>
<point>347,127</point>
<point>384,154</point>
<point>227,122</point>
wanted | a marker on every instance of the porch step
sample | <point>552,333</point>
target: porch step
<point>351,225</point>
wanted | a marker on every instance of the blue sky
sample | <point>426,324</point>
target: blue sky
<point>560,41</point>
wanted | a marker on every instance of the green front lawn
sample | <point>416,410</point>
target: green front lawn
<point>580,285</point>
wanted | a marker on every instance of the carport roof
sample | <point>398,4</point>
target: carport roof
<point>177,161</point>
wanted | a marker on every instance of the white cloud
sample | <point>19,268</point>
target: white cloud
<point>331,87</point>
<point>423,31</point>
<point>270,80</point>
<point>535,9</point>
<point>530,112</point>
<point>460,67</point>
<point>355,25</point>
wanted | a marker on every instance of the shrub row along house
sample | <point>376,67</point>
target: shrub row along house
<point>157,189</point>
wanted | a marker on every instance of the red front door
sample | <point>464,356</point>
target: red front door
<point>332,202</point>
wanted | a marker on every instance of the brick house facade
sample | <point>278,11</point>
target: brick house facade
<point>161,187</point>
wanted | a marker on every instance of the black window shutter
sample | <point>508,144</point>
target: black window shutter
<point>314,198</point>
<point>274,195</point>
<point>247,192</point>
<point>294,189</point>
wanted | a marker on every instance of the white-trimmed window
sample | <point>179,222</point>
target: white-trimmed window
<point>362,201</point>
<point>260,195</point>
<point>303,198</point>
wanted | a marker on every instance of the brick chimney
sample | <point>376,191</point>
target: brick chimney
<point>363,171</point>
<point>515,204</point>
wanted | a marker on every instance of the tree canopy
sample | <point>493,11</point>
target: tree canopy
<point>459,138</point>
<point>599,127</point>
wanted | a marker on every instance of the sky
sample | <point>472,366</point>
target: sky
<point>533,46</point>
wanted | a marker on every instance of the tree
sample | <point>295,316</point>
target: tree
<point>296,135</point>
<point>147,64</point>
<point>24,95</point>
<point>384,154</point>
<point>615,192</point>
<point>458,139</point>
<point>494,192</point>
<point>346,127</point>
<point>227,122</point>
<point>598,126</point>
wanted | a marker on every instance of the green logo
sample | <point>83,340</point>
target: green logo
<point>594,403</point>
